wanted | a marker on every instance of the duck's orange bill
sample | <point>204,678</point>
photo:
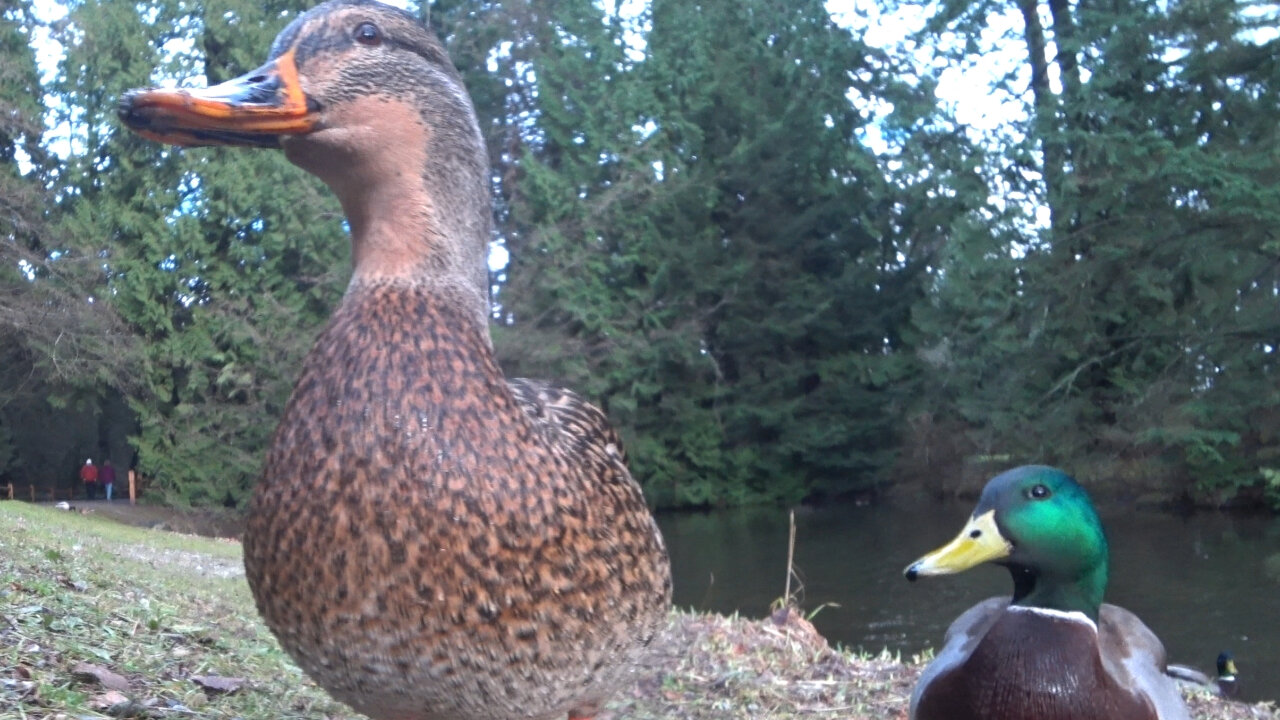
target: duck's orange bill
<point>253,109</point>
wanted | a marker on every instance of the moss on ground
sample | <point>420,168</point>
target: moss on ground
<point>98,620</point>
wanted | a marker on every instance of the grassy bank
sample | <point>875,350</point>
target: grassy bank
<point>99,619</point>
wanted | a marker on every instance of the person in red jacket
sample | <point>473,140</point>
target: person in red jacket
<point>89,476</point>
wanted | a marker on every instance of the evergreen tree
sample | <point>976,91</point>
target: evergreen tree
<point>803,307</point>
<point>60,343</point>
<point>690,241</point>
<point>1131,336</point>
<point>214,258</point>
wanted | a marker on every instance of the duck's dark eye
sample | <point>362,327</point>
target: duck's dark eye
<point>1039,492</point>
<point>368,34</point>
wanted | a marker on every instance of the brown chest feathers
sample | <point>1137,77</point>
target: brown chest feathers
<point>427,544</point>
<point>1030,666</point>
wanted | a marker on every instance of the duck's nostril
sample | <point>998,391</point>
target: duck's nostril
<point>125,106</point>
<point>128,114</point>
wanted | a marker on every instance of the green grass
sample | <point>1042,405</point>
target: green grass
<point>155,607</point>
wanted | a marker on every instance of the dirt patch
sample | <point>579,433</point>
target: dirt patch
<point>207,523</point>
<point>195,563</point>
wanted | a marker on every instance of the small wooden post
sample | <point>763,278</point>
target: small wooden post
<point>133,489</point>
<point>33,491</point>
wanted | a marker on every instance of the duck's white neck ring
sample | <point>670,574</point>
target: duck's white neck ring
<point>1061,615</point>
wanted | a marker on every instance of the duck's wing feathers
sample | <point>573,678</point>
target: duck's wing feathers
<point>577,426</point>
<point>1189,675</point>
<point>962,637</point>
<point>1136,658</point>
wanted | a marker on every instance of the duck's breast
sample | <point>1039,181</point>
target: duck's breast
<point>1032,664</point>
<point>416,544</point>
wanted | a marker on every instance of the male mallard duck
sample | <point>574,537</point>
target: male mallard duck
<point>428,540</point>
<point>1055,651</point>
<point>1223,685</point>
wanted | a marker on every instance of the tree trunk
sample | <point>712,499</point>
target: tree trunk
<point>1047,124</point>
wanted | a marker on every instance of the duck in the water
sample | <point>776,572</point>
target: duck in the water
<point>429,540</point>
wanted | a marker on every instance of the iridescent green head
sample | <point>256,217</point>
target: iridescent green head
<point>1226,667</point>
<point>1039,523</point>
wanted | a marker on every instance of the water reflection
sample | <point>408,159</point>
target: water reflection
<point>1197,581</point>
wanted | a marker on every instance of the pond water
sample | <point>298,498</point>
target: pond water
<point>1198,581</point>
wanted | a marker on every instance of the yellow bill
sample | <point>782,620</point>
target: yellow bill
<point>980,541</point>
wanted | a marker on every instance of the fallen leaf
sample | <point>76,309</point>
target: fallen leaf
<point>117,705</point>
<point>20,689</point>
<point>218,684</point>
<point>108,699</point>
<point>78,585</point>
<point>88,672</point>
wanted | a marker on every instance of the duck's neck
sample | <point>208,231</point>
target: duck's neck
<point>437,242</point>
<point>1034,588</point>
<point>413,180</point>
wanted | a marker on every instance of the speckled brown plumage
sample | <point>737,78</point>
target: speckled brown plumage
<point>420,525</point>
<point>429,541</point>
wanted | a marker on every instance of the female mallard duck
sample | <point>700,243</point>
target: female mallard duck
<point>428,540</point>
<point>1055,651</point>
